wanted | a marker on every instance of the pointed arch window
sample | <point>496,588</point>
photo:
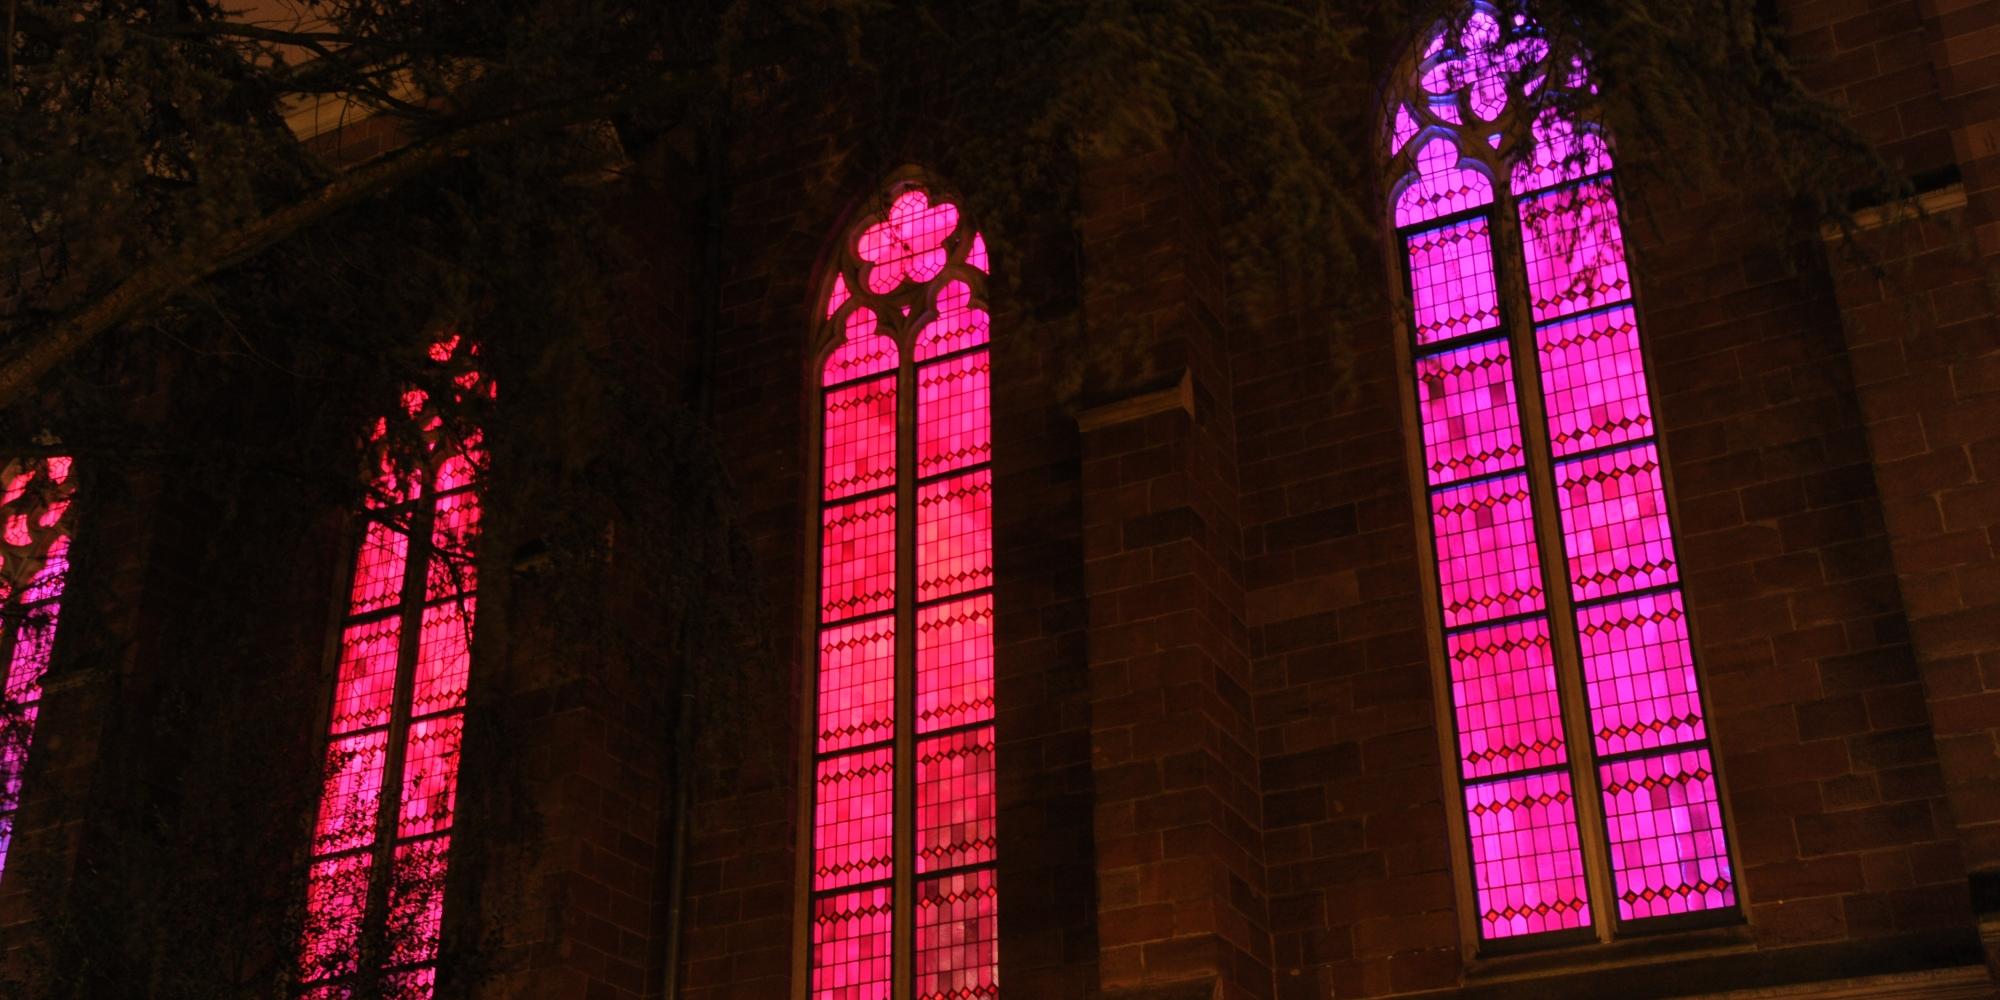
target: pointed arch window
<point>382,837</point>
<point>1589,795</point>
<point>903,897</point>
<point>35,528</point>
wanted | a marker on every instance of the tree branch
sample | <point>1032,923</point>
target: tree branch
<point>159,281</point>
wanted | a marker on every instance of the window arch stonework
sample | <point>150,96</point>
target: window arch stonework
<point>1587,794</point>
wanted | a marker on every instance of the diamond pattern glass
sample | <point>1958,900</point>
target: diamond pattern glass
<point>1638,669</point>
<point>1668,848</point>
<point>1486,559</point>
<point>1503,681</point>
<point>1526,861</point>
<point>1451,280</point>
<point>853,945</point>
<point>1594,382</point>
<point>1614,522</point>
<point>1465,399</point>
<point>958,937</point>
<point>955,799</point>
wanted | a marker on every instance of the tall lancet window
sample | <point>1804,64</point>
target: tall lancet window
<point>903,897</point>
<point>382,838</point>
<point>1589,795</point>
<point>34,564</point>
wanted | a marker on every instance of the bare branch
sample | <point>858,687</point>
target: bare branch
<point>159,281</point>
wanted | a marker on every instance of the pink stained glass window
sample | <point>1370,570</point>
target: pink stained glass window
<point>1471,423</point>
<point>853,945</point>
<point>1667,844</point>
<point>1617,581</point>
<point>1638,670</point>
<point>1503,681</point>
<point>374,901</point>
<point>1594,382</point>
<point>1614,522</point>
<point>1574,249</point>
<point>958,937</point>
<point>906,551</point>
<point>1526,858</point>
<point>1452,281</point>
<point>35,508</point>
<point>1487,563</point>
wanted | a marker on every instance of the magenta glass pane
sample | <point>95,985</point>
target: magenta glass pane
<point>454,547</point>
<point>1669,853</point>
<point>17,734</point>
<point>1638,668</point>
<point>955,535</point>
<point>1487,564</point>
<point>1465,398</point>
<point>1527,867</point>
<point>976,256</point>
<point>958,937</point>
<point>838,296</point>
<point>378,569</point>
<point>954,423</point>
<point>955,799</point>
<point>860,438</point>
<point>863,352</point>
<point>1451,281</point>
<point>416,900</point>
<point>444,658</point>
<point>464,463</point>
<point>34,641</point>
<point>955,663</point>
<point>959,323</point>
<point>1614,520</point>
<point>1560,152</point>
<point>857,684</point>
<point>1503,686</point>
<point>1594,381</point>
<point>908,244</point>
<point>351,796</point>
<point>857,558</point>
<point>430,775</point>
<point>854,811</point>
<point>367,675</point>
<point>336,897</point>
<point>852,946</point>
<point>48,583</point>
<point>1483,65</point>
<point>1446,183</point>
<point>414,984</point>
<point>1574,249</point>
<point>1403,130</point>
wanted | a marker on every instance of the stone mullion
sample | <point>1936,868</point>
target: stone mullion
<point>1517,322</point>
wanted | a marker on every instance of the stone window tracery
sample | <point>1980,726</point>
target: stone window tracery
<point>903,895</point>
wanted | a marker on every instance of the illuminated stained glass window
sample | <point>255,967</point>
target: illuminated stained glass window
<point>1565,635</point>
<point>903,788</point>
<point>34,565</point>
<point>381,839</point>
